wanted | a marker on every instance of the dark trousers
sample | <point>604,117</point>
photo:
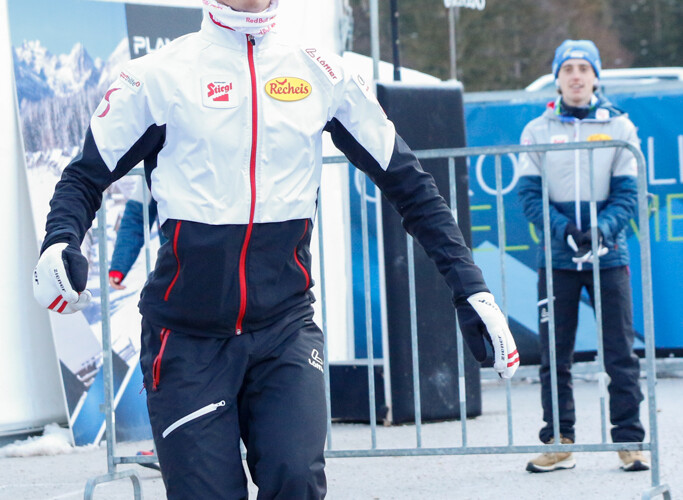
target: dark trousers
<point>621,364</point>
<point>266,387</point>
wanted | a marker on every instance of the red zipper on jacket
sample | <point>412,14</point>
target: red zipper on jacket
<point>156,366</point>
<point>298,262</point>
<point>175,252</point>
<point>252,179</point>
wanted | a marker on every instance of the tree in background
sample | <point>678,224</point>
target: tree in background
<point>510,44</point>
<point>651,30</point>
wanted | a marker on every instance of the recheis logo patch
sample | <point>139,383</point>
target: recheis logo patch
<point>219,92</point>
<point>288,89</point>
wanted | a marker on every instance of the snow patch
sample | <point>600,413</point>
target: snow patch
<point>54,441</point>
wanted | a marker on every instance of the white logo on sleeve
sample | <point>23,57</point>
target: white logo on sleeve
<point>133,83</point>
<point>315,360</point>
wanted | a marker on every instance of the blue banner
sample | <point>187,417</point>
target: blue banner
<point>656,114</point>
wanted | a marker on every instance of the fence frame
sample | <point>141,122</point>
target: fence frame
<point>113,460</point>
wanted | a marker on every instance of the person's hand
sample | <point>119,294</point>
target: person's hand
<point>59,279</point>
<point>481,319</point>
<point>115,279</point>
<point>582,244</point>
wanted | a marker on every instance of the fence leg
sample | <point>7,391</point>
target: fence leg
<point>105,478</point>
<point>662,489</point>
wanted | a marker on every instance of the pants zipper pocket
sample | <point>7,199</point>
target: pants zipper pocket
<point>156,366</point>
<point>192,416</point>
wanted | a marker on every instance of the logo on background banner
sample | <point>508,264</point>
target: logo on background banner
<point>218,92</point>
<point>288,89</point>
<point>106,98</point>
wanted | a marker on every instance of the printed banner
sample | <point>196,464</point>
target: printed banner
<point>66,54</point>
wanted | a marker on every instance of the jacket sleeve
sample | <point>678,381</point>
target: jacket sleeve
<point>129,239</point>
<point>623,197</point>
<point>122,133</point>
<point>361,130</point>
<point>530,190</point>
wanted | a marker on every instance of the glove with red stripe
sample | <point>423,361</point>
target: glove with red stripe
<point>59,279</point>
<point>481,319</point>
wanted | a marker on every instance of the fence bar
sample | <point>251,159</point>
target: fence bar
<point>323,298</point>
<point>462,386</point>
<point>481,450</point>
<point>108,372</point>
<point>145,224</point>
<point>107,407</point>
<point>648,311</point>
<point>413,340</point>
<point>597,297</point>
<point>502,243</point>
<point>550,297</point>
<point>368,312</point>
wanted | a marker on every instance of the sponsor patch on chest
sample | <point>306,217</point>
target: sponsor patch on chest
<point>559,138</point>
<point>219,92</point>
<point>599,137</point>
<point>288,88</point>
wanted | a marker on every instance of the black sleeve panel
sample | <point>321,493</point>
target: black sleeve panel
<point>78,194</point>
<point>426,216</point>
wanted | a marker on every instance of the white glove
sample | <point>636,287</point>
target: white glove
<point>51,285</point>
<point>506,357</point>
<point>587,255</point>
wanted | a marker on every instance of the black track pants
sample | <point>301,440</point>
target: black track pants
<point>621,364</point>
<point>267,387</point>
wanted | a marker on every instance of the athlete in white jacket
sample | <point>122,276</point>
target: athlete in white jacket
<point>228,122</point>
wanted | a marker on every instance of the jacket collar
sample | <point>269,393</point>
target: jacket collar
<point>216,33</point>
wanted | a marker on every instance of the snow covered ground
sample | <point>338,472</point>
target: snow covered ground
<point>63,476</point>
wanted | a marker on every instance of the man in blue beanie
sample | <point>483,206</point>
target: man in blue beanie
<point>579,114</point>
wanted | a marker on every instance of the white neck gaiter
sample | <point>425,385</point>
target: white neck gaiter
<point>250,23</point>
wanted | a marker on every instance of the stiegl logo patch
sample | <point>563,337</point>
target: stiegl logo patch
<point>219,92</point>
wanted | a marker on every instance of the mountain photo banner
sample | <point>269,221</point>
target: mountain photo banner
<point>66,55</point>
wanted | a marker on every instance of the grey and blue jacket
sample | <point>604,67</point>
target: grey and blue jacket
<point>569,181</point>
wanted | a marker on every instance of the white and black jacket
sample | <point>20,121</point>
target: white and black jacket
<point>229,128</point>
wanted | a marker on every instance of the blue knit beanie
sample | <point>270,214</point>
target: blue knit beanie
<point>577,49</point>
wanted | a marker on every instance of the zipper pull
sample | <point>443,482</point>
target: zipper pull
<point>220,403</point>
<point>251,40</point>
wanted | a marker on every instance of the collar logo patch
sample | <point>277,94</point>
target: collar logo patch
<point>219,92</point>
<point>288,89</point>
<point>602,114</point>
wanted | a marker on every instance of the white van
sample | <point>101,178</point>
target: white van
<point>621,77</point>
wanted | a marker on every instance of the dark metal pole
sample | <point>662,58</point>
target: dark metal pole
<point>395,40</point>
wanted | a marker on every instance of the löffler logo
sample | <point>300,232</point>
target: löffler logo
<point>288,89</point>
<point>106,98</point>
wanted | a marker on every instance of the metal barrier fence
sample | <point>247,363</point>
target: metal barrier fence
<point>113,460</point>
